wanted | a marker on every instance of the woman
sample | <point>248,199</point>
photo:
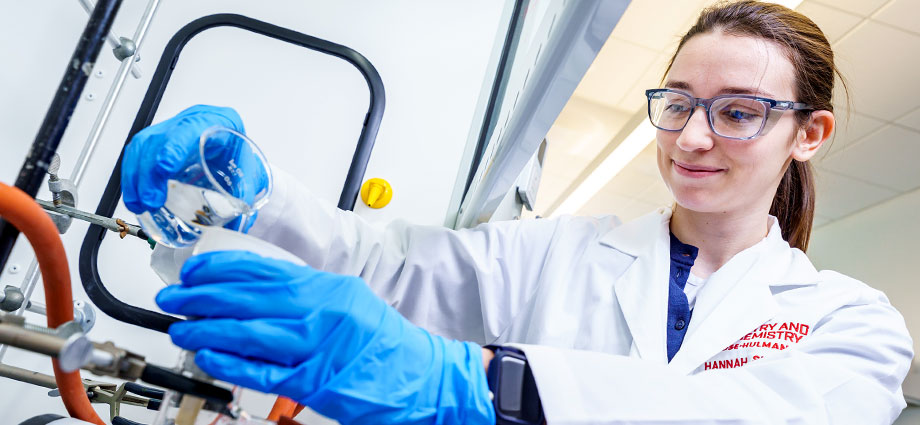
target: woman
<point>700,313</point>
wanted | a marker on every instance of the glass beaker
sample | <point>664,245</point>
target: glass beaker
<point>227,178</point>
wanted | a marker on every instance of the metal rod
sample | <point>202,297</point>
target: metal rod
<point>33,170</point>
<point>88,6</point>
<point>18,336</point>
<point>37,308</point>
<point>108,104</point>
<point>28,376</point>
<point>31,276</point>
<point>26,288</point>
<point>113,224</point>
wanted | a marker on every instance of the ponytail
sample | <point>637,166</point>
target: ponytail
<point>794,204</point>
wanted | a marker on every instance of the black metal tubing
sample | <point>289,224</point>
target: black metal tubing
<point>89,270</point>
<point>46,142</point>
<point>499,86</point>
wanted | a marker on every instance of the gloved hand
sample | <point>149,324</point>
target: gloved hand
<point>158,152</point>
<point>324,340</point>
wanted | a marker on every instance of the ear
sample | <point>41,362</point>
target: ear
<point>810,138</point>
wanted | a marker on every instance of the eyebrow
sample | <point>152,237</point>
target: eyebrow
<point>681,85</point>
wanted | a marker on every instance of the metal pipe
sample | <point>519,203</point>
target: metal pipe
<point>108,104</point>
<point>88,6</point>
<point>28,376</point>
<point>37,342</point>
<point>30,279</point>
<point>46,142</point>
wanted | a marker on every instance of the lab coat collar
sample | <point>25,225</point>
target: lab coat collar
<point>735,299</point>
<point>644,304</point>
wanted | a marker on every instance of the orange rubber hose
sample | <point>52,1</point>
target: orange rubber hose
<point>20,210</point>
<point>283,407</point>
<point>297,410</point>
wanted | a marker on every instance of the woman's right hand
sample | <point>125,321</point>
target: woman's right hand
<point>157,152</point>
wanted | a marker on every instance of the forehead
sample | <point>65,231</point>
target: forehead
<point>716,63</point>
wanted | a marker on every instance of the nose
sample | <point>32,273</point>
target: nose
<point>696,135</point>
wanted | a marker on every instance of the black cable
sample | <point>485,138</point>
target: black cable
<point>118,420</point>
<point>166,378</point>
<point>33,170</point>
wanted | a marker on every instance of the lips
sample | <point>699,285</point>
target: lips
<point>695,170</point>
<point>694,167</point>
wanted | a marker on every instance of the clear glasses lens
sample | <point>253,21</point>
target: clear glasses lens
<point>734,117</point>
<point>669,110</point>
<point>737,117</point>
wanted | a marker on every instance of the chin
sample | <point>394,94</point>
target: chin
<point>698,200</point>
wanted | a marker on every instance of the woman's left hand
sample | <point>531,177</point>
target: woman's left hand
<point>324,340</point>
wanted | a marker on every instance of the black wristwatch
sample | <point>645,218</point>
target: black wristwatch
<point>514,391</point>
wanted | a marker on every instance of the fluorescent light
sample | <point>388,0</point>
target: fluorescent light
<point>624,153</point>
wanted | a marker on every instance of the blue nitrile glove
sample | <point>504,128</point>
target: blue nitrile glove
<point>158,152</point>
<point>324,340</point>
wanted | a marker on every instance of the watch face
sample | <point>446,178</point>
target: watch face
<point>514,390</point>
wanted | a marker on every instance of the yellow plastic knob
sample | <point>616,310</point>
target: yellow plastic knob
<point>376,193</point>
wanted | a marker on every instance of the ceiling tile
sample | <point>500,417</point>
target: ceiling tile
<point>606,202</point>
<point>625,208</point>
<point>903,14</point>
<point>819,221</point>
<point>562,165</point>
<point>887,158</point>
<point>850,128</point>
<point>833,22</point>
<point>617,68</point>
<point>859,7</point>
<point>647,161</point>
<point>911,120</point>
<point>633,211</point>
<point>657,194</point>
<point>656,24</point>
<point>629,183</point>
<point>838,195</point>
<point>635,99</point>
<point>584,127</point>
<point>874,60</point>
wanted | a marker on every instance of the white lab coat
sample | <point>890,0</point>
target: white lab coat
<point>771,340</point>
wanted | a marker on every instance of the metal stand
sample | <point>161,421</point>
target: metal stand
<point>89,271</point>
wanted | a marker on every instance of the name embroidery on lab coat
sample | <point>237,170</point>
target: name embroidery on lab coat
<point>775,336</point>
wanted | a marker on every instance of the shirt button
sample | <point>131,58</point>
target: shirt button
<point>680,324</point>
<point>678,275</point>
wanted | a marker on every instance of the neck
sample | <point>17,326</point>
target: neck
<point>719,236</point>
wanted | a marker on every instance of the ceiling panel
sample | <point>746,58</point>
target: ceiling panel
<point>903,14</point>
<point>833,22</point>
<point>911,120</point>
<point>819,221</point>
<point>850,128</point>
<point>635,99</point>
<point>584,127</point>
<point>880,63</point>
<point>839,195</point>
<point>859,7</point>
<point>617,68</point>
<point>657,194</point>
<point>629,182</point>
<point>606,202</point>
<point>656,24</point>
<point>647,161</point>
<point>887,158</point>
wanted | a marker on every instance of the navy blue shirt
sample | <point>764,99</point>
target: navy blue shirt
<point>682,258</point>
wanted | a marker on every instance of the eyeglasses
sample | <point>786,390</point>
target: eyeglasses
<point>732,116</point>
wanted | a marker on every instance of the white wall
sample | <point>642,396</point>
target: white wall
<point>879,246</point>
<point>302,108</point>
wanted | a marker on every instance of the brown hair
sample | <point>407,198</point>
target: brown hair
<point>811,56</point>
